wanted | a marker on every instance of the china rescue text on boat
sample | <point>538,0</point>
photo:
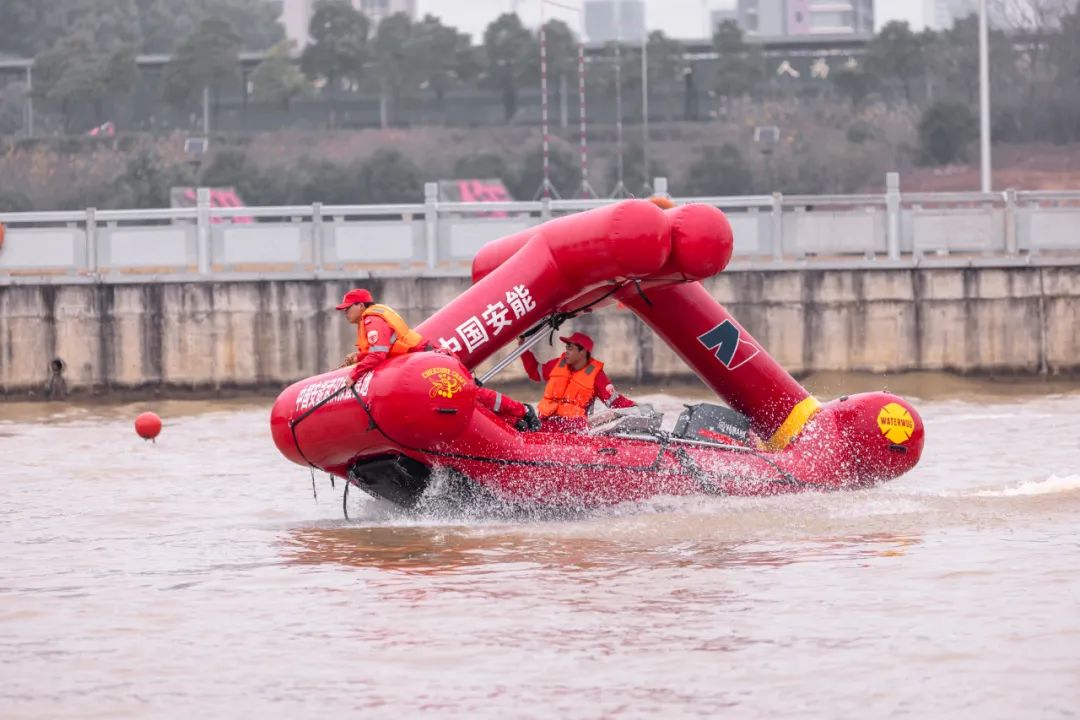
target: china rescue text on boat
<point>417,412</point>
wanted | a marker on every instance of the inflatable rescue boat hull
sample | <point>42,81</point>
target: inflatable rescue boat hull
<point>417,414</point>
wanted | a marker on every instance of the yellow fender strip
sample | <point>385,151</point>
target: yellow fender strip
<point>794,423</point>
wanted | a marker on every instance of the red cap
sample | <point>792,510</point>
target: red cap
<point>579,339</point>
<point>358,295</point>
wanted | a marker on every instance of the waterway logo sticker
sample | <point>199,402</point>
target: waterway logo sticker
<point>445,382</point>
<point>895,423</point>
<point>725,340</point>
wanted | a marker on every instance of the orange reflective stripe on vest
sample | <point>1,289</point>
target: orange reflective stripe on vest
<point>403,339</point>
<point>569,393</point>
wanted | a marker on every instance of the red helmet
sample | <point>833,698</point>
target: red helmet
<point>355,296</point>
<point>581,339</point>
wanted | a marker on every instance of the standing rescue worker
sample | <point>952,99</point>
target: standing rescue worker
<point>380,333</point>
<point>575,380</point>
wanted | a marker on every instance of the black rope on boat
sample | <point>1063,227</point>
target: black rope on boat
<point>296,441</point>
<point>637,284</point>
<point>539,327</point>
<point>556,319</point>
<point>305,416</point>
<point>598,300</point>
<point>785,476</point>
<point>318,405</point>
<point>704,481</point>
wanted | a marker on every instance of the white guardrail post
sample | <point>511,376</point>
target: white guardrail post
<point>317,236</point>
<point>1011,246</point>
<point>777,226</point>
<point>892,214</point>
<point>202,229</point>
<point>431,223</point>
<point>91,241</point>
<point>660,187</point>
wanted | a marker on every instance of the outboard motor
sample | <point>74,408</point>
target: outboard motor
<point>712,423</point>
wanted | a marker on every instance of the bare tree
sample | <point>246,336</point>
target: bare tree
<point>1023,15</point>
<point>1034,24</point>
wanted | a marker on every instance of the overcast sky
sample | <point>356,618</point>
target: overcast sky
<point>677,18</point>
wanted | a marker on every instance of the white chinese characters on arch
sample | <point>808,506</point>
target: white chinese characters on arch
<point>819,68</point>
<point>475,331</point>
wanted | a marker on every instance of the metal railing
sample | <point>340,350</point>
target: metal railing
<point>434,237</point>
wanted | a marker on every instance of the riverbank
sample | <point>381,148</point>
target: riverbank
<point>211,338</point>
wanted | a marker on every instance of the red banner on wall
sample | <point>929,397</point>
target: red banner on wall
<point>475,190</point>
<point>181,197</point>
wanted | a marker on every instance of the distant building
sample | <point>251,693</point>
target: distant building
<point>830,17</point>
<point>783,18</point>
<point>717,17</point>
<point>376,10</point>
<point>296,14</point>
<point>763,17</point>
<point>609,20</point>
<point>942,14</point>
<point>296,17</point>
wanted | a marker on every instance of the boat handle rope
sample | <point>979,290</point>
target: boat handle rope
<point>785,476</point>
<point>637,284</point>
<point>296,441</point>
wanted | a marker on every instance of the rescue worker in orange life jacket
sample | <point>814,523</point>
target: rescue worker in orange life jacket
<point>380,333</point>
<point>574,380</point>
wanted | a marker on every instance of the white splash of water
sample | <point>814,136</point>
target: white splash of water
<point>1049,486</point>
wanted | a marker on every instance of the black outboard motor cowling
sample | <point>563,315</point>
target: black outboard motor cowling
<point>712,423</point>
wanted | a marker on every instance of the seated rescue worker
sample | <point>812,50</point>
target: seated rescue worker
<point>574,380</point>
<point>523,416</point>
<point>380,333</point>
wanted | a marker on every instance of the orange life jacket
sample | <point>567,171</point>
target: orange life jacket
<point>570,392</point>
<point>402,340</point>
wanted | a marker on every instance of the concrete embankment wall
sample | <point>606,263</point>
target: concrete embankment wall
<point>267,334</point>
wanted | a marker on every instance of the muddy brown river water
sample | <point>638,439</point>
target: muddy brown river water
<point>196,576</point>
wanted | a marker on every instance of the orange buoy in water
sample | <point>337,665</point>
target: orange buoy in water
<point>148,425</point>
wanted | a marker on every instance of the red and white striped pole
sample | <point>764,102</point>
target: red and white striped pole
<point>620,185</point>
<point>586,188</point>
<point>546,188</point>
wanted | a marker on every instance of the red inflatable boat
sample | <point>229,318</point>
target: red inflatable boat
<point>415,417</point>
